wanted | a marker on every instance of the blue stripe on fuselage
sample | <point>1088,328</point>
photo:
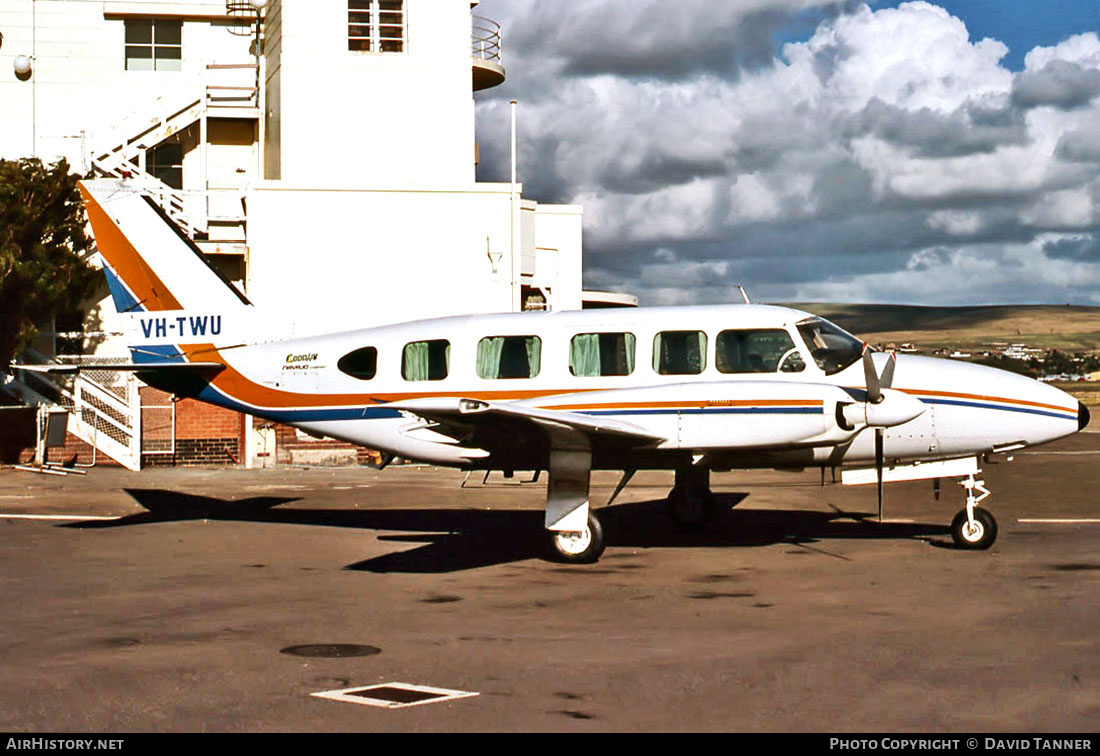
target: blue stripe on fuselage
<point>979,405</point>
<point>366,412</point>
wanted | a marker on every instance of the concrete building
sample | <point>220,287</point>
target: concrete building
<point>324,154</point>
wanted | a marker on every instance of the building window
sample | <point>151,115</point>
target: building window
<point>154,44</point>
<point>361,364</point>
<point>376,26</point>
<point>767,350</point>
<point>679,352</point>
<point>508,356</point>
<point>594,354</point>
<point>426,360</point>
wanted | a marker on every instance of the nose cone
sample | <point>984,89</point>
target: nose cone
<point>978,406</point>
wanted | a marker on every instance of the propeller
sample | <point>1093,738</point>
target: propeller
<point>875,384</point>
<point>882,408</point>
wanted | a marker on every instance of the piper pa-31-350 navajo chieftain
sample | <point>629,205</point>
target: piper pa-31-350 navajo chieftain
<point>688,389</point>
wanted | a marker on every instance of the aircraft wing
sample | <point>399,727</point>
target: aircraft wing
<point>477,421</point>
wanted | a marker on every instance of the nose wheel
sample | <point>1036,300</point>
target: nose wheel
<point>974,528</point>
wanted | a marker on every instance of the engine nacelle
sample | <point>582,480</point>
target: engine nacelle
<point>896,408</point>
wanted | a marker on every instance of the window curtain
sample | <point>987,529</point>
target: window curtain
<point>534,354</point>
<point>628,344</point>
<point>414,366</point>
<point>488,356</point>
<point>584,354</point>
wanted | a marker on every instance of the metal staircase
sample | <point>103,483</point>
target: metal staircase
<point>230,91</point>
<point>104,407</point>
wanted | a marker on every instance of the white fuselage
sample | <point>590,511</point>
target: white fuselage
<point>723,401</point>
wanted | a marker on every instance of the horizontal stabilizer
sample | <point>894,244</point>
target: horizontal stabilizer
<point>190,367</point>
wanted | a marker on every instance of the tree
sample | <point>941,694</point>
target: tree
<point>44,268</point>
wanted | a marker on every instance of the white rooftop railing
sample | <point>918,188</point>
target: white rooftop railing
<point>485,39</point>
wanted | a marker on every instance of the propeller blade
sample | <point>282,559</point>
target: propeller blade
<point>887,378</point>
<point>874,387</point>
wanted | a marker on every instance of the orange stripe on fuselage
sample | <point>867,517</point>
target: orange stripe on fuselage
<point>982,398</point>
<point>139,278</point>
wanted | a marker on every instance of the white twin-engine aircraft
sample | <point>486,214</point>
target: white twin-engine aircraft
<point>688,389</point>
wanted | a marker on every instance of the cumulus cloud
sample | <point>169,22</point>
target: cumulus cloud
<point>882,150</point>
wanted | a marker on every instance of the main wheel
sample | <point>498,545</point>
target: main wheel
<point>582,547</point>
<point>690,511</point>
<point>980,535</point>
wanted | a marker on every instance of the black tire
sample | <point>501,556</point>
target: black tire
<point>577,548</point>
<point>691,513</point>
<point>983,535</point>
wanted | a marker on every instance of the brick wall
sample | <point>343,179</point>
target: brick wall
<point>204,434</point>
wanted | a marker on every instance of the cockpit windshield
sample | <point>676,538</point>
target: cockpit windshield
<point>832,348</point>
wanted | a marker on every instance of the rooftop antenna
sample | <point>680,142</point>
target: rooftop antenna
<point>744,296</point>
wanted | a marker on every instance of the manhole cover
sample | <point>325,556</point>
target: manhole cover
<point>394,695</point>
<point>331,650</point>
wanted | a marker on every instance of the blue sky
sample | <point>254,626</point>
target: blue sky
<point>812,150</point>
<point>1022,24</point>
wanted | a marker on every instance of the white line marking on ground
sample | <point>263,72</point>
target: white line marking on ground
<point>4,515</point>
<point>1062,521</point>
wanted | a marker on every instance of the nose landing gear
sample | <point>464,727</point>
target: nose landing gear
<point>974,528</point>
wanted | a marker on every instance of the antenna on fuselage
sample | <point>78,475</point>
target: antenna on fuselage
<point>744,296</point>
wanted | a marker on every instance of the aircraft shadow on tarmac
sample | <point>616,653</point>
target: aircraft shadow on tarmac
<point>461,539</point>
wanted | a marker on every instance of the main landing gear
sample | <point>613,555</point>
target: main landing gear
<point>690,503</point>
<point>974,528</point>
<point>578,547</point>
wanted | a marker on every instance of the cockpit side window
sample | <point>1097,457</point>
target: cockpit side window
<point>759,350</point>
<point>831,347</point>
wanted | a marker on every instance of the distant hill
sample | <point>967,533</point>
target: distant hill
<point>1066,327</point>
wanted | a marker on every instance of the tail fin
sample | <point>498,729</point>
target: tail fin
<point>168,294</point>
<point>151,264</point>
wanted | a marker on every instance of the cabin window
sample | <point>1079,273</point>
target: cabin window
<point>679,352</point>
<point>154,44</point>
<point>361,364</point>
<point>508,356</point>
<point>762,350</point>
<point>376,26</point>
<point>832,348</point>
<point>595,354</point>
<point>426,360</point>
